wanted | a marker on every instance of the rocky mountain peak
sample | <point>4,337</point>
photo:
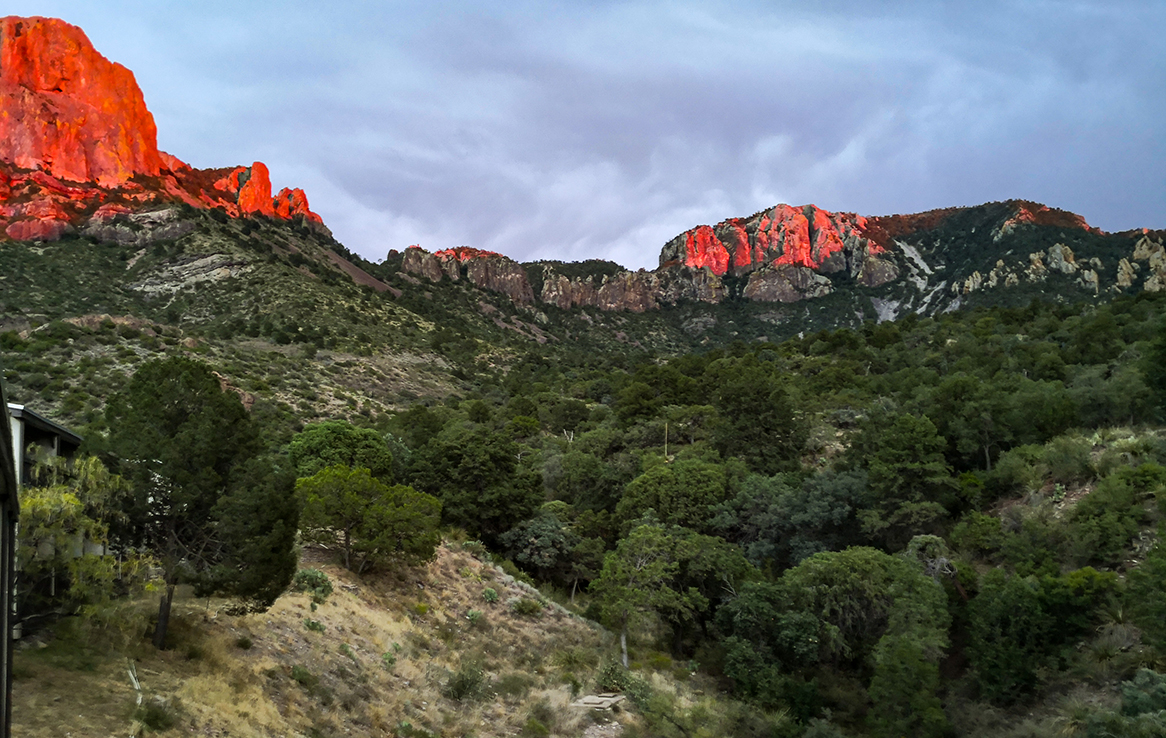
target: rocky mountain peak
<point>69,111</point>
<point>78,145</point>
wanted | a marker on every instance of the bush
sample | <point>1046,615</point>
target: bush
<point>315,583</point>
<point>527,608</point>
<point>405,729</point>
<point>510,568</point>
<point>467,683</point>
<point>1105,521</point>
<point>612,677</point>
<point>490,595</point>
<point>303,677</point>
<point>155,715</point>
<point>314,625</point>
<point>477,549</point>
<point>1068,460</point>
<point>243,642</point>
<point>513,685</point>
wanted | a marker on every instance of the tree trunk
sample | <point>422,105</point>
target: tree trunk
<point>623,643</point>
<point>163,616</point>
<point>574,585</point>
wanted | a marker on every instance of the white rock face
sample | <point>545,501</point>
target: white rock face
<point>1061,259</point>
<point>1125,274</point>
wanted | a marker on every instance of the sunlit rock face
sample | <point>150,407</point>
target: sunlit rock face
<point>779,236</point>
<point>68,110</point>
<point>77,143</point>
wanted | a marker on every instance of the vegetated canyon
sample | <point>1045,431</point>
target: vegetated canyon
<point>817,474</point>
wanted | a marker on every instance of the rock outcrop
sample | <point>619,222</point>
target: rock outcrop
<point>788,254</point>
<point>484,269</point>
<point>68,110</point>
<point>76,140</point>
<point>807,237</point>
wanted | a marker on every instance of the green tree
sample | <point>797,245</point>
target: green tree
<point>1146,596</point>
<point>586,562</point>
<point>63,559</point>
<point>1018,624</point>
<point>542,545</point>
<point>476,475</point>
<point>757,420</point>
<point>189,450</point>
<point>908,478</point>
<point>1008,628</point>
<point>371,521</point>
<point>681,493</point>
<point>779,522</point>
<point>854,607</point>
<point>672,573</point>
<point>339,443</point>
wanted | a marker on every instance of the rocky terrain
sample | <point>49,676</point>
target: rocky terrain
<point>79,148</point>
<point>376,657</point>
<point>924,263</point>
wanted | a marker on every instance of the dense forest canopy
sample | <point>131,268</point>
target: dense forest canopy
<point>879,531</point>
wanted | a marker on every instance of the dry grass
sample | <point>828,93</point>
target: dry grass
<point>294,681</point>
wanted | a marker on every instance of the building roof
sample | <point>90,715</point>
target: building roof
<point>40,422</point>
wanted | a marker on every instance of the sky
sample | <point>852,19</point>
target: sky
<point>578,130</point>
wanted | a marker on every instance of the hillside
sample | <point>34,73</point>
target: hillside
<point>378,658</point>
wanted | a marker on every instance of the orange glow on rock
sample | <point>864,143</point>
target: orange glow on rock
<point>76,137</point>
<point>67,109</point>
<point>706,250</point>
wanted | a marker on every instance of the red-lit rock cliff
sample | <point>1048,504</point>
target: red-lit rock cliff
<point>787,254</point>
<point>76,140</point>
<point>67,109</point>
<point>784,251</point>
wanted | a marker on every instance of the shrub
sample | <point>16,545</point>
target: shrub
<point>315,583</point>
<point>477,549</point>
<point>405,729</point>
<point>1068,460</point>
<point>303,677</point>
<point>612,677</point>
<point>527,607</point>
<point>513,685</point>
<point>243,642</point>
<point>1105,521</point>
<point>467,683</point>
<point>575,658</point>
<point>388,660</point>
<point>490,595</point>
<point>155,715</point>
<point>474,616</point>
<point>314,625</point>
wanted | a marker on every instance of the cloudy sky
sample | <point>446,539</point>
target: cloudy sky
<point>602,129</point>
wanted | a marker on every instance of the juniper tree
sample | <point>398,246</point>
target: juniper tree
<point>212,510</point>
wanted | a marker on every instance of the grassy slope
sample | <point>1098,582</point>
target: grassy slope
<point>212,686</point>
